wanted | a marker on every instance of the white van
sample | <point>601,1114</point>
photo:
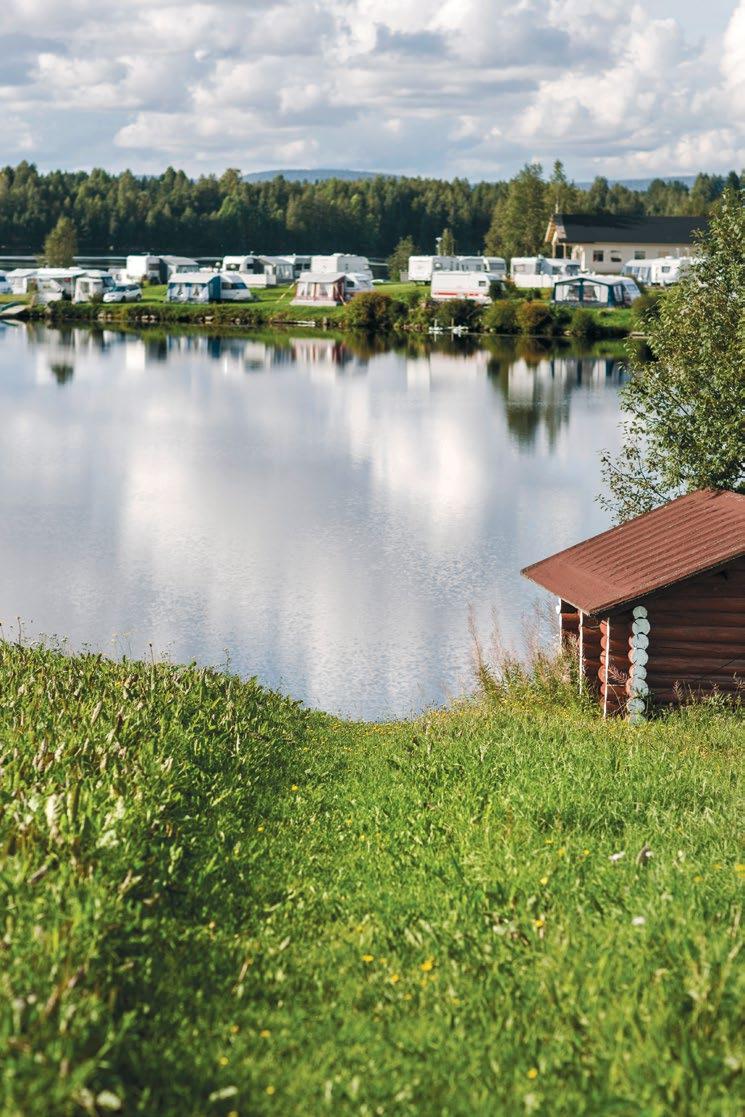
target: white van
<point>474,286</point>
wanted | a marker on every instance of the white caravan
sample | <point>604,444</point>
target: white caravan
<point>261,271</point>
<point>491,265</point>
<point>341,262</point>
<point>421,268</point>
<point>92,283</point>
<point>474,286</point>
<point>661,271</point>
<point>540,271</point>
<point>21,280</point>
<point>142,269</point>
<point>55,284</point>
<point>5,287</point>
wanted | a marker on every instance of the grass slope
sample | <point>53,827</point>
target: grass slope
<point>214,902</point>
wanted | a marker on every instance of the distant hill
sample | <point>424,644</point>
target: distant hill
<point>643,183</point>
<point>320,174</point>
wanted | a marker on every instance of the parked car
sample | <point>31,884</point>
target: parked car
<point>123,293</point>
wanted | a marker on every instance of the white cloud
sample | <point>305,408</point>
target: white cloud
<point>470,87</point>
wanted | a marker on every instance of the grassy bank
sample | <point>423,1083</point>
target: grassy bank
<point>217,903</point>
<point>405,306</point>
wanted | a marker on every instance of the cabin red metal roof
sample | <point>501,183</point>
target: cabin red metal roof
<point>688,536</point>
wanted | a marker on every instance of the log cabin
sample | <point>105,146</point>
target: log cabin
<point>655,608</point>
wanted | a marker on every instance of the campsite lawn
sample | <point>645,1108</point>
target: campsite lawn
<point>214,902</point>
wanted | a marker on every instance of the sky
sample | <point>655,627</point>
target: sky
<point>473,88</point>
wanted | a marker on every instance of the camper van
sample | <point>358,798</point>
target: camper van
<point>341,262</point>
<point>474,286</point>
<point>421,268</point>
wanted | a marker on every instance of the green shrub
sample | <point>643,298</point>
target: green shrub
<point>501,317</point>
<point>535,317</point>
<point>372,310</point>
<point>582,324</point>
<point>646,308</point>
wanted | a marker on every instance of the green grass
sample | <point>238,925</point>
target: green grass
<point>214,902</point>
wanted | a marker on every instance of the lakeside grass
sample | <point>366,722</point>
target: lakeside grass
<point>273,307</point>
<point>215,902</point>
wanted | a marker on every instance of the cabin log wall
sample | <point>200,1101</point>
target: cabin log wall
<point>697,637</point>
<point>615,668</point>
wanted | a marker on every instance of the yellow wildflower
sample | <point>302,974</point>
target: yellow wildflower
<point>394,979</point>
<point>538,922</point>
<point>740,868</point>
<point>260,828</point>
<point>223,1060</point>
<point>585,853</point>
<point>234,1029</point>
<point>544,880</point>
<point>265,1033</point>
<point>270,1090</point>
<point>427,964</point>
<point>294,787</point>
<point>368,957</point>
<point>561,851</point>
<point>533,1072</point>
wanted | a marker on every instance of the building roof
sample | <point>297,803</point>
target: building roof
<point>595,228</point>
<point>688,536</point>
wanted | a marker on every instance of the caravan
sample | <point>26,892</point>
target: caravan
<point>92,284</point>
<point>539,271</point>
<point>421,268</point>
<point>596,290</point>
<point>491,265</point>
<point>473,286</point>
<point>341,262</point>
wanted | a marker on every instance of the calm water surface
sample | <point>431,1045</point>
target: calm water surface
<point>320,516</point>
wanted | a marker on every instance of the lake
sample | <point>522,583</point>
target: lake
<point>323,514</point>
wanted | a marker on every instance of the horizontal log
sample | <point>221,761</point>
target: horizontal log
<point>720,632</point>
<point>672,697</point>
<point>656,665</point>
<point>669,682</point>
<point>685,649</point>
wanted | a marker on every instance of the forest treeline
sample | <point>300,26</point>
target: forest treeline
<point>120,213</point>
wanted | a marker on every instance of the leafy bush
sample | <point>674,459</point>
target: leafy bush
<point>535,317</point>
<point>501,317</point>
<point>372,310</point>
<point>582,324</point>
<point>646,308</point>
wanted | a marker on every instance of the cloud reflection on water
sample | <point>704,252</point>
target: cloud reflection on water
<point>324,513</point>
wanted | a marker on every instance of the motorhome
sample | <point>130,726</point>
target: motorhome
<point>341,262</point>
<point>208,287</point>
<point>421,268</point>
<point>474,286</point>
<point>540,271</point>
<point>596,290</point>
<point>91,284</point>
<point>491,265</point>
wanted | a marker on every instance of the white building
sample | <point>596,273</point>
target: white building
<point>605,243</point>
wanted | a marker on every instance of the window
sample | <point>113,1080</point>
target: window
<point>597,255</point>
<point>640,254</point>
<point>615,256</point>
